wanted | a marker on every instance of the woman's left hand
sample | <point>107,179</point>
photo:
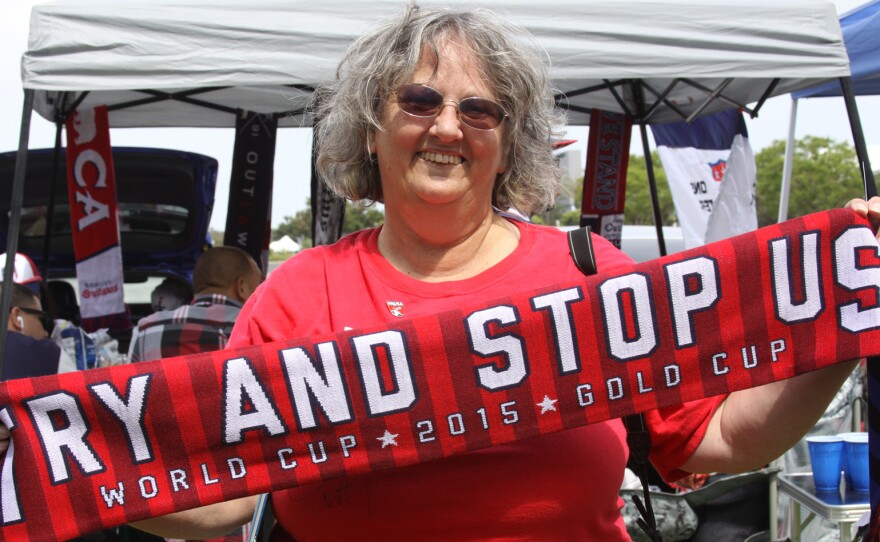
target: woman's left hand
<point>869,209</point>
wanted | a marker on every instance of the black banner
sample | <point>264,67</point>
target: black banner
<point>250,190</point>
<point>328,209</point>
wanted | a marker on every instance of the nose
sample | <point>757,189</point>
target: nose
<point>447,126</point>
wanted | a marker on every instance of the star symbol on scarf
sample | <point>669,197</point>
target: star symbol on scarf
<point>388,439</point>
<point>547,404</point>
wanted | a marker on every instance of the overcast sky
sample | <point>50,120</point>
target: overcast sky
<point>821,117</point>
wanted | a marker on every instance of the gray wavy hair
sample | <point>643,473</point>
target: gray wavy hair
<point>348,110</point>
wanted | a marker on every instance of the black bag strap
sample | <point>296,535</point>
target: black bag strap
<point>638,439</point>
<point>581,246</point>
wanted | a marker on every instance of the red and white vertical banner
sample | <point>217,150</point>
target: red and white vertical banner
<point>605,174</point>
<point>91,187</point>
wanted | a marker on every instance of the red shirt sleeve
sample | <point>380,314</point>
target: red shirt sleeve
<point>676,432</point>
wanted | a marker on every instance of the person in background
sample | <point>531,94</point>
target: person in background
<point>24,272</point>
<point>223,280</point>
<point>172,293</point>
<point>29,351</point>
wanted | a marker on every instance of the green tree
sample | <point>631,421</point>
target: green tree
<point>825,174</point>
<point>358,217</point>
<point>299,226</point>
<point>216,236</point>
<point>638,208</point>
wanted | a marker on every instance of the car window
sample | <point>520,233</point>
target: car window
<point>133,217</point>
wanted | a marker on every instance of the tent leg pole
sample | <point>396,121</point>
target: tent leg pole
<point>14,220</point>
<point>785,189</point>
<point>652,184</point>
<point>855,125</point>
<point>50,212</point>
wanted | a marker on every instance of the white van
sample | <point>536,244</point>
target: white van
<point>640,242</point>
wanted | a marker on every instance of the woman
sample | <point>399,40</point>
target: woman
<point>445,118</point>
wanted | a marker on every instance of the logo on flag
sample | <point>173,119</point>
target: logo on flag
<point>395,308</point>
<point>718,168</point>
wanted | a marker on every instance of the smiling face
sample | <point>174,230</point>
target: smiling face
<point>440,160</point>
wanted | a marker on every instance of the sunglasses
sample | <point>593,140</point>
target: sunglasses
<point>42,316</point>
<point>424,101</point>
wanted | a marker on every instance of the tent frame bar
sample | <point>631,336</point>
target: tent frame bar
<point>714,94</point>
<point>661,97</point>
<point>185,96</point>
<point>182,96</point>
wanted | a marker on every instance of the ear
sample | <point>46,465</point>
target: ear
<point>241,288</point>
<point>16,321</point>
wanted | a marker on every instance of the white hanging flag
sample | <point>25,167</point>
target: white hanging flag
<point>711,172</point>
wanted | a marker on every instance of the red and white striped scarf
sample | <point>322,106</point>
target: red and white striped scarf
<point>108,446</point>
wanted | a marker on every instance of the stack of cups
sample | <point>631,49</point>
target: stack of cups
<point>855,461</point>
<point>826,457</point>
<point>847,452</point>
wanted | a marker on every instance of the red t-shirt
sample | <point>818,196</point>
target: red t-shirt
<point>559,487</point>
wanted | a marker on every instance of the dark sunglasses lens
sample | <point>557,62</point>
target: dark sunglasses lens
<point>44,318</point>
<point>480,113</point>
<point>419,100</point>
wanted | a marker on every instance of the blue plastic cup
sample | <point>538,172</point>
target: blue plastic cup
<point>856,453</point>
<point>826,457</point>
<point>846,473</point>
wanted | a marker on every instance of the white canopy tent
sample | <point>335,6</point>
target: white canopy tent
<point>155,62</point>
<point>285,244</point>
<point>197,62</point>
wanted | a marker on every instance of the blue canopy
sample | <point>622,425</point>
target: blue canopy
<point>861,33</point>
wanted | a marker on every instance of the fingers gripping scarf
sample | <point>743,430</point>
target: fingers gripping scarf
<point>108,446</point>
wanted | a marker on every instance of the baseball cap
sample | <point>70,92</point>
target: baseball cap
<point>24,271</point>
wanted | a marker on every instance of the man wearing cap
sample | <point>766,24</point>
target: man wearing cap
<point>223,279</point>
<point>28,350</point>
<point>24,271</point>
